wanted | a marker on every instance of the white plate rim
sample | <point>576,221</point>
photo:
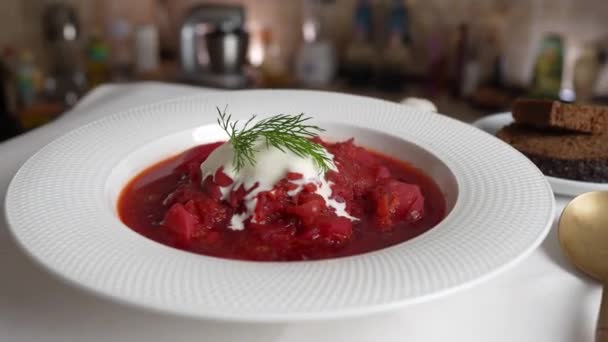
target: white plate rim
<point>540,230</point>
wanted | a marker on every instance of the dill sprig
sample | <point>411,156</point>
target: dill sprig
<point>285,132</point>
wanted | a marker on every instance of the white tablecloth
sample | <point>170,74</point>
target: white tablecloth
<point>541,299</point>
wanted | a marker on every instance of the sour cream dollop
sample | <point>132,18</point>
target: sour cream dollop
<point>271,165</point>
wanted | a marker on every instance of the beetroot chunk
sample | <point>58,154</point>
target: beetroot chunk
<point>395,201</point>
<point>336,230</point>
<point>181,222</point>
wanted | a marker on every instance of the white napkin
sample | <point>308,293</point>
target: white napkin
<point>540,299</point>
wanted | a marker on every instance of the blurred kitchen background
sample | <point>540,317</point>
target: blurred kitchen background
<point>471,57</point>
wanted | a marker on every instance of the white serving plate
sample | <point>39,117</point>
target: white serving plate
<point>61,208</point>
<point>562,186</point>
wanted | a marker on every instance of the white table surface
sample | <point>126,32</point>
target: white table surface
<point>541,299</point>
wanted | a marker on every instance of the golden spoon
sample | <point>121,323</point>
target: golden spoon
<point>583,235</point>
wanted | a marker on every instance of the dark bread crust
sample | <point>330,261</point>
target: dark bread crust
<point>562,116</point>
<point>589,170</point>
<point>567,155</point>
<point>558,145</point>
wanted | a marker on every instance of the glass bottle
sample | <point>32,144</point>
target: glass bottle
<point>548,69</point>
<point>359,59</point>
<point>97,56</point>
<point>396,57</point>
<point>8,125</point>
<point>315,60</point>
<point>462,54</point>
<point>274,68</point>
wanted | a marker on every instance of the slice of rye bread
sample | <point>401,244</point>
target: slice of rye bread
<point>568,155</point>
<point>554,114</point>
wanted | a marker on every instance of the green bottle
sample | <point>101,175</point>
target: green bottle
<point>547,77</point>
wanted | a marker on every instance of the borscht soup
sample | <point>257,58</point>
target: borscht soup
<point>276,192</point>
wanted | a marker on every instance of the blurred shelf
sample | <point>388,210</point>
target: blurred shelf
<point>457,108</point>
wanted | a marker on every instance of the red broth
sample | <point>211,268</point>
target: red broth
<point>393,201</point>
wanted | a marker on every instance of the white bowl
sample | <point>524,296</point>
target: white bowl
<point>61,207</point>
